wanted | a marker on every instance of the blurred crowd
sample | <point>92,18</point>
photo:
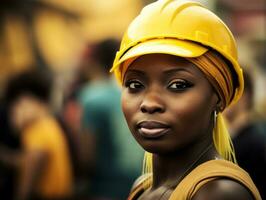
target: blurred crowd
<point>62,132</point>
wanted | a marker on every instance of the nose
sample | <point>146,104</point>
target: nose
<point>152,103</point>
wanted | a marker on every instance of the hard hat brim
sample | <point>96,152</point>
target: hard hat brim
<point>181,48</point>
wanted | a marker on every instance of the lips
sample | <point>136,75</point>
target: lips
<point>152,129</point>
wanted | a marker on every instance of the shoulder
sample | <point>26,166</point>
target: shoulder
<point>223,189</point>
<point>217,180</point>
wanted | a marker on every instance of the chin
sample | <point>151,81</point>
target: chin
<point>158,147</point>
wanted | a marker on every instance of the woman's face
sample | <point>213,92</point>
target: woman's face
<point>167,102</point>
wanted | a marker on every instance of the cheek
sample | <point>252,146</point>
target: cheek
<point>193,113</point>
<point>128,106</point>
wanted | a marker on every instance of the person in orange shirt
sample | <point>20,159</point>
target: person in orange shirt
<point>44,166</point>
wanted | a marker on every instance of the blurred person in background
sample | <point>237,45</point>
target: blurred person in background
<point>248,137</point>
<point>44,168</point>
<point>115,158</point>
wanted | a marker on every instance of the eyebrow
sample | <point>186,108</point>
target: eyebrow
<point>175,70</point>
<point>134,72</point>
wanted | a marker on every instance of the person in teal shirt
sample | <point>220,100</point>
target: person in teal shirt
<point>116,156</point>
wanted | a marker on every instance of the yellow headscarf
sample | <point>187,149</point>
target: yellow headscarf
<point>220,76</point>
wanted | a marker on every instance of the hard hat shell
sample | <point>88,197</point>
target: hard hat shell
<point>182,28</point>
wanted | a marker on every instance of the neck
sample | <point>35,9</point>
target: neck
<point>169,170</point>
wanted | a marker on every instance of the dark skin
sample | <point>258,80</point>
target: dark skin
<point>169,104</point>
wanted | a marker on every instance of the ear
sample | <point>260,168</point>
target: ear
<point>219,105</point>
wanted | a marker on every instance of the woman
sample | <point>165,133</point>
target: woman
<point>178,68</point>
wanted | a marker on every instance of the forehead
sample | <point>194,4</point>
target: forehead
<point>159,63</point>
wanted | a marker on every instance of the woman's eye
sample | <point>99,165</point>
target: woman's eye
<point>179,85</point>
<point>134,85</point>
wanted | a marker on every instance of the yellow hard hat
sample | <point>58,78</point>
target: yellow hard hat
<point>182,28</point>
